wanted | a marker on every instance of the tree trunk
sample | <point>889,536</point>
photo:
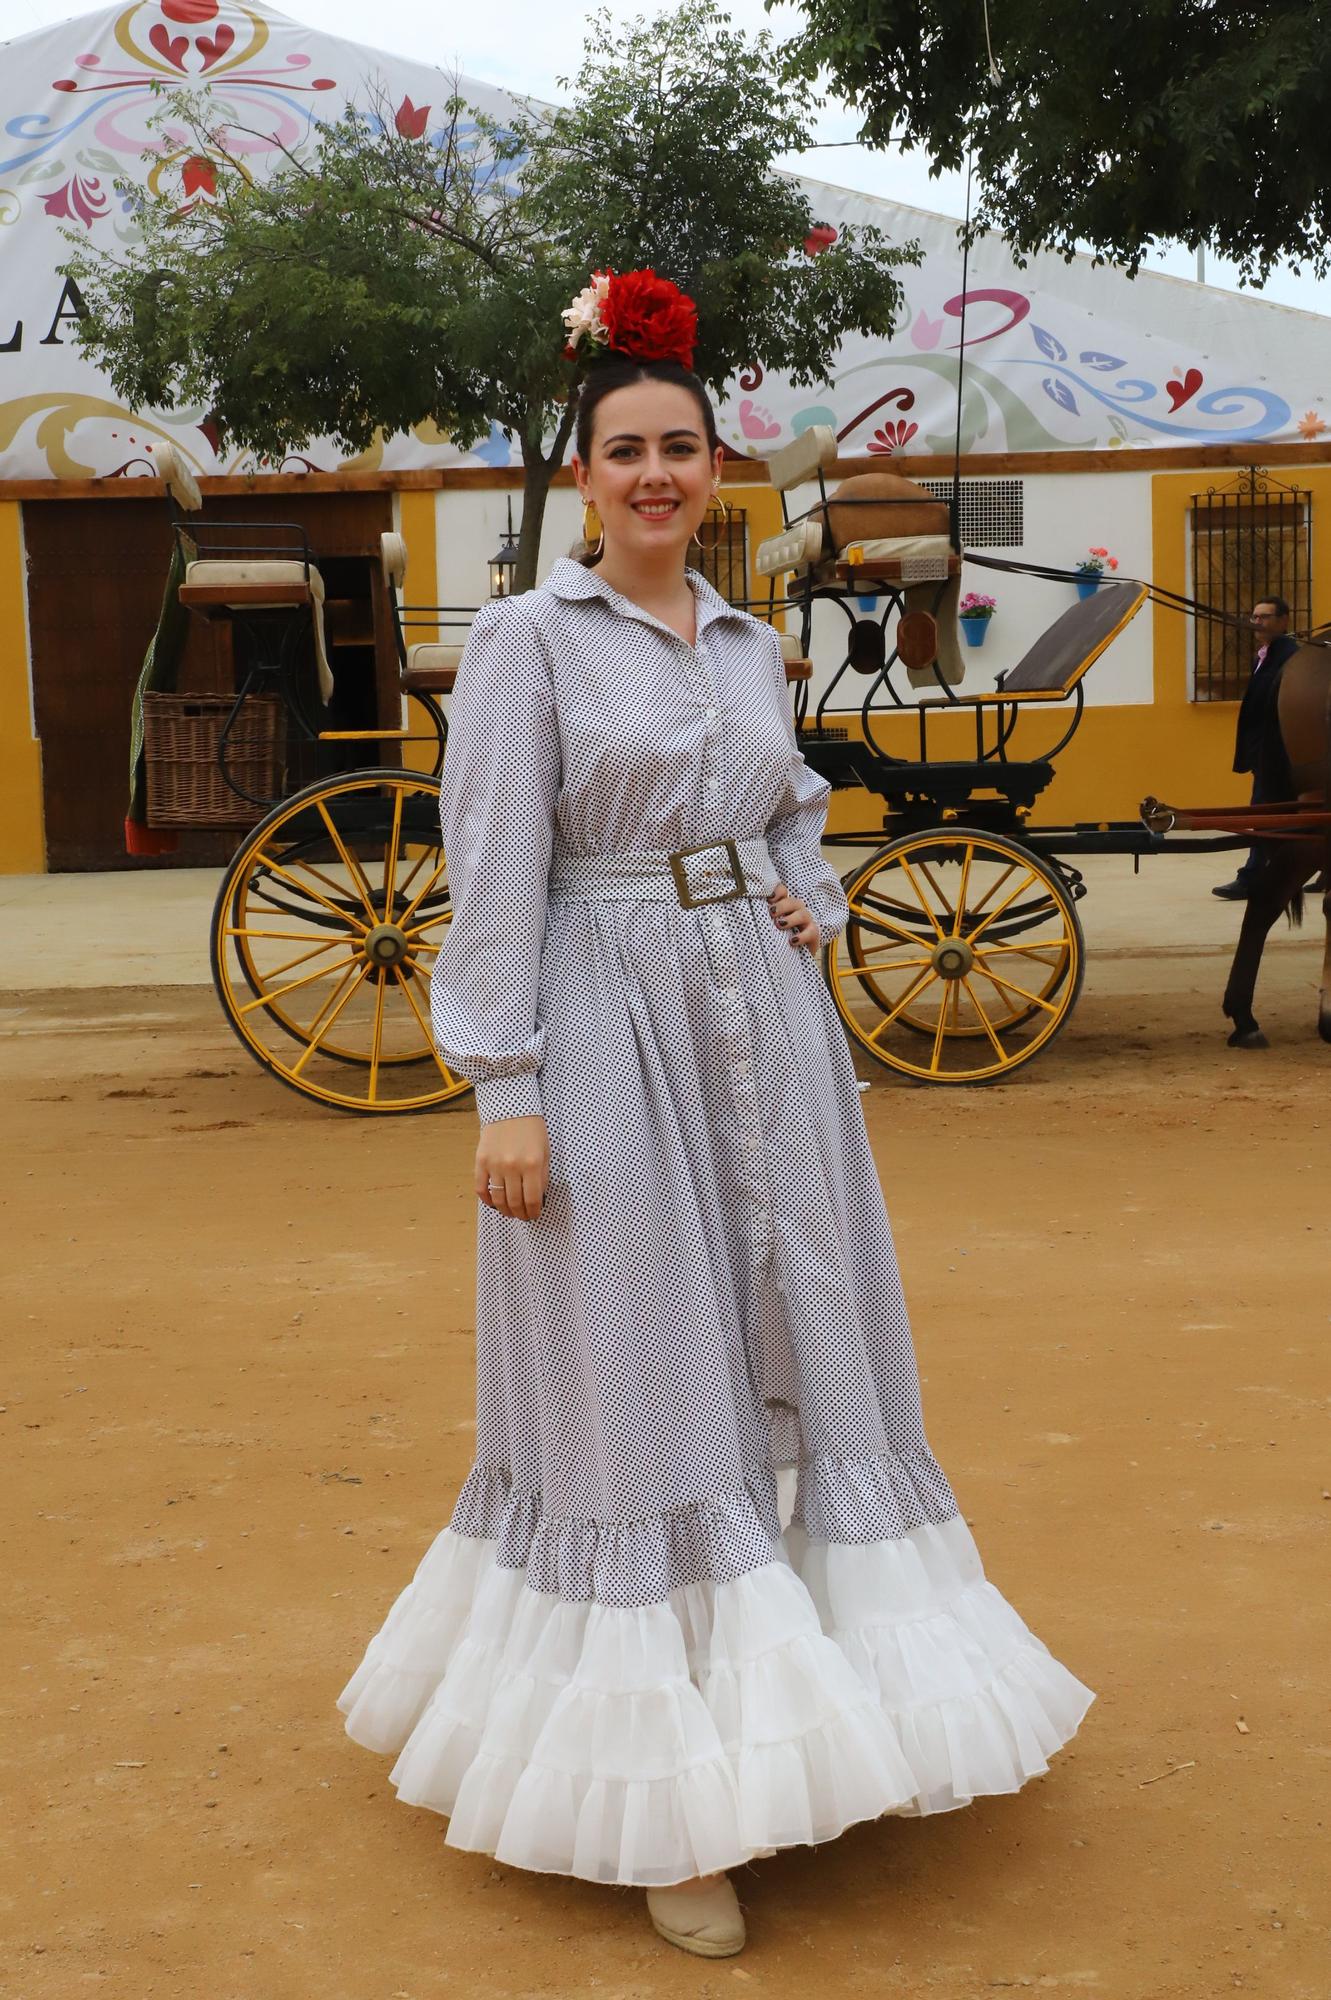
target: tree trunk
<point>537,475</point>
<point>539,468</point>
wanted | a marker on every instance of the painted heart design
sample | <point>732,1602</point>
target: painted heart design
<point>925,332</point>
<point>214,47</point>
<point>170,47</point>
<point>1184,391</point>
<point>757,423</point>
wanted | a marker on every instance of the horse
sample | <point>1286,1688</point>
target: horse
<point>1296,756</point>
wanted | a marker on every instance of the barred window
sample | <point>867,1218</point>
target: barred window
<point>991,512</point>
<point>1251,539</point>
<point>724,556</point>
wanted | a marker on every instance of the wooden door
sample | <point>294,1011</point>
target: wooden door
<point>96,569</point>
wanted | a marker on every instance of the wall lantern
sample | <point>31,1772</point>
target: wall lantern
<point>504,562</point>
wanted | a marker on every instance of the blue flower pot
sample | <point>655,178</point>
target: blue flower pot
<point>975,629</point>
<point>1087,586</point>
<point>868,605</point>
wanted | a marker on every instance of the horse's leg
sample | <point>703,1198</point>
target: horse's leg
<point>1282,873</point>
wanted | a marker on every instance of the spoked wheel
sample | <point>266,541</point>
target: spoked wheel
<point>962,958</point>
<point>325,931</point>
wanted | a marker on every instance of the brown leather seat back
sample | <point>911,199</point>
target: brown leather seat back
<point>909,509</point>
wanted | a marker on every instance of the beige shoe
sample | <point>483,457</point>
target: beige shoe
<point>706,1919</point>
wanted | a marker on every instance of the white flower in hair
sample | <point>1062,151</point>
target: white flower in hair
<point>583,317</point>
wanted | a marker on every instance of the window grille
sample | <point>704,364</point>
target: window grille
<point>724,556</point>
<point>1251,539</point>
<point>991,512</point>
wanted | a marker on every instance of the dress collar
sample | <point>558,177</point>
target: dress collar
<point>573,580</point>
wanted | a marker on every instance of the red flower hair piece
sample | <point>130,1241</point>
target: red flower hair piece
<point>634,313</point>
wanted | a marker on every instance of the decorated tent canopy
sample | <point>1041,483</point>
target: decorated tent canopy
<point>1058,357</point>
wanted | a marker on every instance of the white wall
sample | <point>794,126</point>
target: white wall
<point>472,523</point>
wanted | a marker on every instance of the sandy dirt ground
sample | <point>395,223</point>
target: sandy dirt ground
<point>239,1402</point>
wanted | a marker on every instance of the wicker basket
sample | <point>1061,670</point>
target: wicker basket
<point>180,737</point>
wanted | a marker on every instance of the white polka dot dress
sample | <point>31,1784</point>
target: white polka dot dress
<point>706,1592</point>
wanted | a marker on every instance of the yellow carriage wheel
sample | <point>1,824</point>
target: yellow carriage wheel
<point>324,934</point>
<point>1007,1008</point>
<point>962,958</point>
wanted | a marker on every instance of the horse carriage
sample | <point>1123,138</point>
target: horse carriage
<point>329,914</point>
<point>963,956</point>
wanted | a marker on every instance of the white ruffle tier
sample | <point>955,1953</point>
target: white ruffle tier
<point>651,1743</point>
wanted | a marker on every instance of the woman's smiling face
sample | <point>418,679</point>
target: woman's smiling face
<point>651,474</point>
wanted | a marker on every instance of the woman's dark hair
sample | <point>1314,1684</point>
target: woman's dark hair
<point>620,372</point>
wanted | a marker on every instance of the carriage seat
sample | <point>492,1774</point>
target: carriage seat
<point>431,669</point>
<point>898,559</point>
<point>1053,667</point>
<point>844,549</point>
<point>216,584</point>
<point>223,583</point>
<point>797,664</point>
<point>427,666</point>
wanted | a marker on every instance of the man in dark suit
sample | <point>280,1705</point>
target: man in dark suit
<point>1257,745</point>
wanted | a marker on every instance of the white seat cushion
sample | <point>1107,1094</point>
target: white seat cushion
<point>213,572</point>
<point>807,455</point>
<point>796,548</point>
<point>433,658</point>
<point>393,556</point>
<point>923,558</point>
<point>178,478</point>
<point>897,545</point>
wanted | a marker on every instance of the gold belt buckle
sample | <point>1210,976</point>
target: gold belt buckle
<point>677,869</point>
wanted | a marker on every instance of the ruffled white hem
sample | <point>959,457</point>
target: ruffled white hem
<point>649,1744</point>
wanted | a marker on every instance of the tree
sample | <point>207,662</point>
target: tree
<point>1115,125</point>
<point>388,274</point>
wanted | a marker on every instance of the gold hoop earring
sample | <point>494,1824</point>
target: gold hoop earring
<point>589,507</point>
<point>725,514</point>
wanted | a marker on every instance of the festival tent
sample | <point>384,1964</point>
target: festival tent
<point>1059,357</point>
<point>1094,409</point>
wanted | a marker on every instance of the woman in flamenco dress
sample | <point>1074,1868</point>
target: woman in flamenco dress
<point>706,1592</point>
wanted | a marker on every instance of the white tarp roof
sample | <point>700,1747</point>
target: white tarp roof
<point>1058,357</point>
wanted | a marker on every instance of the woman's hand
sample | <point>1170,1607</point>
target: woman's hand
<point>794,917</point>
<point>513,1166</point>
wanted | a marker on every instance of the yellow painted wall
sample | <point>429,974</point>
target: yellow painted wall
<point>418,526</point>
<point>762,509</point>
<point>22,832</point>
<point>1177,749</point>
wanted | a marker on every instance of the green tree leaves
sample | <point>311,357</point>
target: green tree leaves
<point>1115,125</point>
<point>394,272</point>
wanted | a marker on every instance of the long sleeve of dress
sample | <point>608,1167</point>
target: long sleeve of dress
<point>794,832</point>
<point>496,808</point>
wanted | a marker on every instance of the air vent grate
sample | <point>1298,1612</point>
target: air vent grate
<point>992,511</point>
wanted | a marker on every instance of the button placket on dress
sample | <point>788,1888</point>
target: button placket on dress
<point>720,944</point>
<point>739,1038</point>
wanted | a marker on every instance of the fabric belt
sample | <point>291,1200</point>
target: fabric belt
<point>695,877</point>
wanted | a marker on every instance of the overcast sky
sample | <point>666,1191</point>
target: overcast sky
<point>527,45</point>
